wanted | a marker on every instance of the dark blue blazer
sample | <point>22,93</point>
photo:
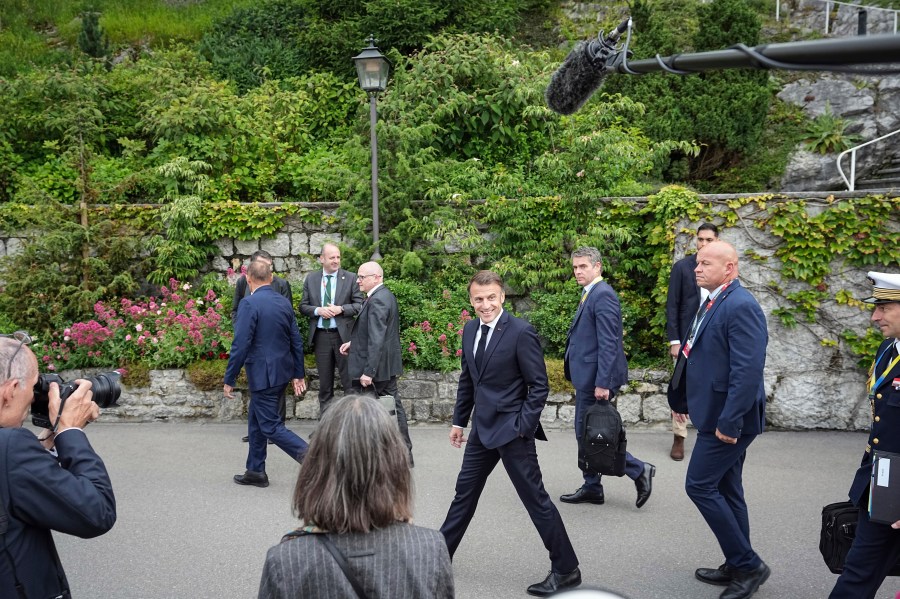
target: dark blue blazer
<point>884,433</point>
<point>683,298</point>
<point>594,354</point>
<point>724,372</point>
<point>375,338</point>
<point>266,341</point>
<point>510,394</point>
<point>40,493</point>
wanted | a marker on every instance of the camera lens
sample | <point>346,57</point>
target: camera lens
<point>106,389</point>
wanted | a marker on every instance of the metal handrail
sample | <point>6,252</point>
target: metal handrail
<point>828,4</point>
<point>851,183</point>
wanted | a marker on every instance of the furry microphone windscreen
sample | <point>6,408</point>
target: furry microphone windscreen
<point>576,79</point>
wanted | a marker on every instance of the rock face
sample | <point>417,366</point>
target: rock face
<point>870,108</point>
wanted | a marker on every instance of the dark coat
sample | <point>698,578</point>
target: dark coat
<point>242,290</point>
<point>375,338</point>
<point>884,433</point>
<point>724,372</point>
<point>71,494</point>
<point>510,394</point>
<point>683,299</point>
<point>266,342</point>
<point>594,353</point>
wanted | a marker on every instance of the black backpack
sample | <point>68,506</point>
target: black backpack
<point>602,440</point>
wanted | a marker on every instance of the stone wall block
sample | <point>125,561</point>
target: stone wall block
<point>629,406</point>
<point>549,413</point>
<point>246,247</point>
<point>317,240</point>
<point>559,398</point>
<point>299,243</point>
<point>14,246</point>
<point>307,409</point>
<point>447,391</point>
<point>413,389</point>
<point>280,245</point>
<point>442,411</point>
<point>225,247</point>
<point>566,414</point>
<point>655,408</point>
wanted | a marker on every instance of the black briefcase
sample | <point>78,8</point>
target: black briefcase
<point>838,532</point>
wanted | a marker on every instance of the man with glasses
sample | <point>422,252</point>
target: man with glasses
<point>69,492</point>
<point>374,346</point>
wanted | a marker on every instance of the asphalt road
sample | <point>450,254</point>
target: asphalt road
<point>185,530</point>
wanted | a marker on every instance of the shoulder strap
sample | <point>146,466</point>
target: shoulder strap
<point>342,562</point>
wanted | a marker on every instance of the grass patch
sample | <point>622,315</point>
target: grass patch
<point>45,32</point>
<point>556,376</point>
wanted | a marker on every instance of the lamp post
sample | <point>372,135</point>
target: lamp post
<point>372,68</point>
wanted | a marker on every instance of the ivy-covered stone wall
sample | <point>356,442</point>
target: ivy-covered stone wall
<point>804,256</point>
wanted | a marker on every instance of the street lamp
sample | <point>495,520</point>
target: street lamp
<point>372,68</point>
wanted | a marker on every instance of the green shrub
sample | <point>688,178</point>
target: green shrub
<point>827,134</point>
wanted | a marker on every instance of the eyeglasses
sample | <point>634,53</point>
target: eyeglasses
<point>364,276</point>
<point>23,338</point>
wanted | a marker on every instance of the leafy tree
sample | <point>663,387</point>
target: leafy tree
<point>91,38</point>
<point>183,250</point>
<point>723,111</point>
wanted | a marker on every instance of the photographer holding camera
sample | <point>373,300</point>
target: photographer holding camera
<point>40,491</point>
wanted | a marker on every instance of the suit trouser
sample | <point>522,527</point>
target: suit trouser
<point>265,423</point>
<point>714,484</point>
<point>874,552</point>
<point>592,481</point>
<point>519,457</point>
<point>388,387</point>
<point>326,345</point>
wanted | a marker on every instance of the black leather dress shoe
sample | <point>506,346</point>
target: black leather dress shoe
<point>583,496</point>
<point>744,583</point>
<point>556,582</point>
<point>245,438</point>
<point>257,479</point>
<point>719,576</point>
<point>644,484</point>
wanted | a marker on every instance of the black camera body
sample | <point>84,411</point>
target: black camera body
<point>105,387</point>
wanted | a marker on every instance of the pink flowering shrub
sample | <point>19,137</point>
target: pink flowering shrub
<point>179,326</point>
<point>435,342</point>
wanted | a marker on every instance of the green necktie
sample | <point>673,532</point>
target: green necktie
<point>326,322</point>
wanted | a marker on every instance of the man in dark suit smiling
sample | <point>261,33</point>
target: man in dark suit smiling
<point>504,381</point>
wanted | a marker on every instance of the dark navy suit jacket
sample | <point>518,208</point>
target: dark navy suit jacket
<point>40,493</point>
<point>724,372</point>
<point>885,431</point>
<point>266,341</point>
<point>510,394</point>
<point>683,298</point>
<point>594,354</point>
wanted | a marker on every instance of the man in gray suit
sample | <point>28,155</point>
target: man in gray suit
<point>374,346</point>
<point>330,300</point>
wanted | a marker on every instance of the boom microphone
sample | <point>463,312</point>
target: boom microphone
<point>582,72</point>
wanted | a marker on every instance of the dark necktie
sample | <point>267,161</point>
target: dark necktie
<point>893,355</point>
<point>701,312</point>
<point>482,346</point>
<point>326,322</point>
